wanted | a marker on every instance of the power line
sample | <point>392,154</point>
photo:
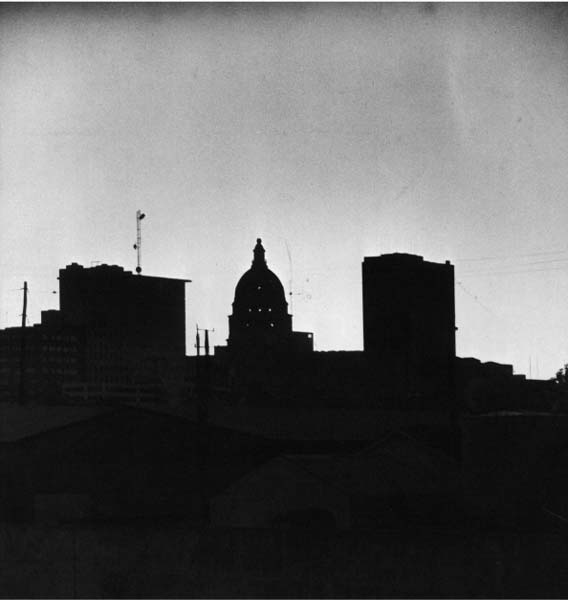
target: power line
<point>474,296</point>
<point>511,256</point>
<point>509,272</point>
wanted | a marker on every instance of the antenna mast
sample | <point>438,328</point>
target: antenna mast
<point>138,245</point>
<point>22,382</point>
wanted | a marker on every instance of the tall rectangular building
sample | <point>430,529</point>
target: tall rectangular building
<point>130,328</point>
<point>409,325</point>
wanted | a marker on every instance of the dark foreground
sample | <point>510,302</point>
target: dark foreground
<point>171,560</point>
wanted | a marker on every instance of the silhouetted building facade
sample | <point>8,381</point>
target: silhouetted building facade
<point>36,361</point>
<point>262,349</point>
<point>117,336</point>
<point>130,328</point>
<point>409,325</point>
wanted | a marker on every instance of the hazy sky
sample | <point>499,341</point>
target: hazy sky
<point>332,131</point>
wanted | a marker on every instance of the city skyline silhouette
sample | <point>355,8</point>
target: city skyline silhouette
<point>282,300</point>
<point>115,441</point>
<point>532,370</point>
<point>332,132</point>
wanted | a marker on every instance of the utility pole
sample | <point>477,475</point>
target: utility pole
<point>203,377</point>
<point>207,342</point>
<point>138,245</point>
<point>203,374</point>
<point>22,386</point>
<point>205,345</point>
<point>25,311</point>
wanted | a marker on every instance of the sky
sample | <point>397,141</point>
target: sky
<point>331,131</point>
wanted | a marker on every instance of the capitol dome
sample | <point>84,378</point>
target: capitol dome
<point>260,311</point>
<point>259,287</point>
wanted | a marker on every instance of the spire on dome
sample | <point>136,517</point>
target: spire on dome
<point>259,260</point>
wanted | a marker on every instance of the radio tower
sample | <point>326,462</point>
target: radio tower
<point>138,245</point>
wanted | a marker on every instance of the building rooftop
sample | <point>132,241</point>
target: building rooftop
<point>115,270</point>
<point>401,258</point>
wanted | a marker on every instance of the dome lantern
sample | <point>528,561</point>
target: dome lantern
<point>258,253</point>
